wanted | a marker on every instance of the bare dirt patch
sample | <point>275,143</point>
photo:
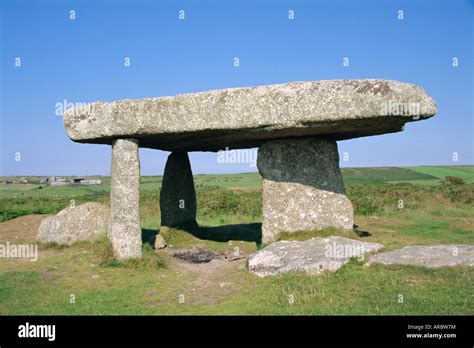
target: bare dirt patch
<point>210,277</point>
<point>195,255</point>
<point>21,230</point>
<point>199,255</point>
<point>463,223</point>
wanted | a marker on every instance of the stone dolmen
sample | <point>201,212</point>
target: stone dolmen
<point>295,125</point>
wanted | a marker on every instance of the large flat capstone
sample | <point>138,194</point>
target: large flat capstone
<point>248,117</point>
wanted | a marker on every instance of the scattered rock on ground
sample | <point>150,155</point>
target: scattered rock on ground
<point>312,256</point>
<point>427,256</point>
<point>82,222</point>
<point>160,242</point>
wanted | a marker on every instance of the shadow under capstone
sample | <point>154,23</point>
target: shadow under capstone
<point>251,232</point>
<point>149,236</point>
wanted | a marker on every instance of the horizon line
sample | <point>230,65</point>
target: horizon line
<point>256,172</point>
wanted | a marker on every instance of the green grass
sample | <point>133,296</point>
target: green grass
<point>464,172</point>
<point>229,213</point>
<point>245,180</point>
<point>354,289</point>
<point>432,230</point>
<point>382,175</point>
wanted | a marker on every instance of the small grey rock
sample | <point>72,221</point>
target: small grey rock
<point>160,242</point>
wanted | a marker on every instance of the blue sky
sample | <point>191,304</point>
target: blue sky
<point>82,60</point>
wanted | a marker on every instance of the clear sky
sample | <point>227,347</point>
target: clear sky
<point>82,60</point>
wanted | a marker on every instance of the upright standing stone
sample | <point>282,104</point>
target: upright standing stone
<point>302,187</point>
<point>178,197</point>
<point>124,225</point>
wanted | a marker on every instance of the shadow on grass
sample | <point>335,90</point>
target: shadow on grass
<point>251,232</point>
<point>361,233</point>
<point>239,232</point>
<point>244,232</point>
<point>149,236</point>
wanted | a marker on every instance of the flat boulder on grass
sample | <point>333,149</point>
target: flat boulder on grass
<point>427,256</point>
<point>312,256</point>
<point>83,222</point>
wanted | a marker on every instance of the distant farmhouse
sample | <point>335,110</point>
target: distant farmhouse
<point>20,181</point>
<point>56,181</point>
<point>87,181</point>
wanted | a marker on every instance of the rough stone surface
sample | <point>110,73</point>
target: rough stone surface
<point>312,256</point>
<point>160,242</point>
<point>247,117</point>
<point>177,196</point>
<point>302,187</point>
<point>427,256</point>
<point>124,225</point>
<point>83,222</point>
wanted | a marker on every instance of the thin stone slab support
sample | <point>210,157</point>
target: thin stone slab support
<point>302,187</point>
<point>124,225</point>
<point>178,196</point>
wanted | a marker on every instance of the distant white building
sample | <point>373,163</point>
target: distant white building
<point>55,181</point>
<point>84,181</point>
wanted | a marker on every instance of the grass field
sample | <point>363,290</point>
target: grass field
<point>435,211</point>
<point>464,172</point>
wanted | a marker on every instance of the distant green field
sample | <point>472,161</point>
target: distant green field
<point>246,180</point>
<point>416,175</point>
<point>464,172</point>
<point>32,190</point>
<point>352,176</point>
<point>382,175</point>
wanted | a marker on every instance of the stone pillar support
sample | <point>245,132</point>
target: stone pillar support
<point>302,187</point>
<point>178,196</point>
<point>124,225</point>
